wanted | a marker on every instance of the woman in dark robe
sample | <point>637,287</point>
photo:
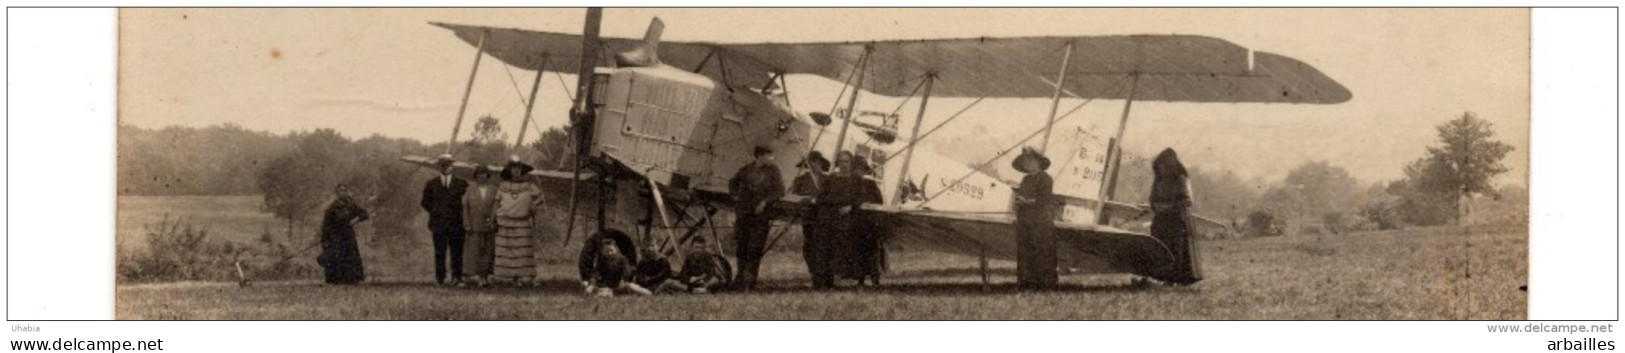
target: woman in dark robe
<point>1035,223</point>
<point>866,231</point>
<point>813,246</point>
<point>341,257</point>
<point>850,237</point>
<point>829,228</point>
<point>1171,224</point>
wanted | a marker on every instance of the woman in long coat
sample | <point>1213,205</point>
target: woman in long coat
<point>480,225</point>
<point>341,257</point>
<point>813,246</point>
<point>1171,224</point>
<point>1035,223</point>
<point>830,228</point>
<point>852,240</point>
<point>517,201</point>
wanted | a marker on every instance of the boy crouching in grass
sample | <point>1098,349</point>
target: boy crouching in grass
<point>612,273</point>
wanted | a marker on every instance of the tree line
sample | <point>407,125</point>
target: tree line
<point>295,173</point>
<point>1448,184</point>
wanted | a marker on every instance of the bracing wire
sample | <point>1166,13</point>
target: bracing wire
<point>1018,144</point>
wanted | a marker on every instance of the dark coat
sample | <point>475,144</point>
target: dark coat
<point>849,243</point>
<point>587,261</point>
<point>611,270</point>
<point>807,184</point>
<point>753,184</point>
<point>651,272</point>
<point>1040,188</point>
<point>444,204</point>
<point>1035,232</point>
<point>701,268</point>
<point>341,257</point>
<point>1171,223</point>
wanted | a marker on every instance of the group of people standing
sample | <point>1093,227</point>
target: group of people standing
<point>839,242</point>
<point>489,224</point>
<point>481,231</point>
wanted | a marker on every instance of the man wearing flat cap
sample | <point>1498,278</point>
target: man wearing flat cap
<point>443,199</point>
<point>1035,223</point>
<point>754,188</point>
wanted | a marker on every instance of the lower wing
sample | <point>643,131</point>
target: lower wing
<point>1085,247</point>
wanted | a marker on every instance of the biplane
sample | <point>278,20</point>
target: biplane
<point>659,127</point>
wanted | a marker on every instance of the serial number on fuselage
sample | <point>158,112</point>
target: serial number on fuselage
<point>962,188</point>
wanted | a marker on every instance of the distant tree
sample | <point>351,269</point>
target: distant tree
<point>213,160</point>
<point>296,184</point>
<point>1262,223</point>
<point>553,148</point>
<point>1462,164</point>
<point>1313,189</point>
<point>1221,194</point>
<point>488,143</point>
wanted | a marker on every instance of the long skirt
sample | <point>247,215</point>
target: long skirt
<point>515,253</point>
<point>1035,253</point>
<point>1173,228</point>
<point>341,259</point>
<point>479,253</point>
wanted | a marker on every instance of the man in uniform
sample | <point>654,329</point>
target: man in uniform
<point>754,188</point>
<point>443,199</point>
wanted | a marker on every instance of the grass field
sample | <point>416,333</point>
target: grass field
<point>1426,274</point>
<point>230,218</point>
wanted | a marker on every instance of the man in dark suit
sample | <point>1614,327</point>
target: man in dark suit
<point>443,199</point>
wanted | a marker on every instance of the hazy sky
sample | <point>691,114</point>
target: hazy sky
<point>388,72</point>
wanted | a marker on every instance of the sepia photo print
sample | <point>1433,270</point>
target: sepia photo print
<point>823,164</point>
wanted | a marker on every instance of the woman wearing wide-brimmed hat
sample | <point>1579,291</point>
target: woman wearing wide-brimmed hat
<point>1035,223</point>
<point>516,205</point>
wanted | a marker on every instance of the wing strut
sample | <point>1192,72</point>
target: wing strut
<point>1055,103</point>
<point>1116,150</point>
<point>852,104</point>
<point>479,52</point>
<point>919,119</point>
<point>535,85</point>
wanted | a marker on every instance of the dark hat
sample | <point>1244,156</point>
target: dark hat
<point>481,170</point>
<point>515,165</point>
<point>761,150</point>
<point>1029,153</point>
<point>816,158</point>
<point>861,165</point>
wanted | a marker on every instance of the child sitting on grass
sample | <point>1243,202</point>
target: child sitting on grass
<point>654,269</point>
<point>703,270</point>
<point>612,273</point>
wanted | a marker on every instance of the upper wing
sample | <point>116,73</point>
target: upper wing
<point>1088,248</point>
<point>1183,68</point>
